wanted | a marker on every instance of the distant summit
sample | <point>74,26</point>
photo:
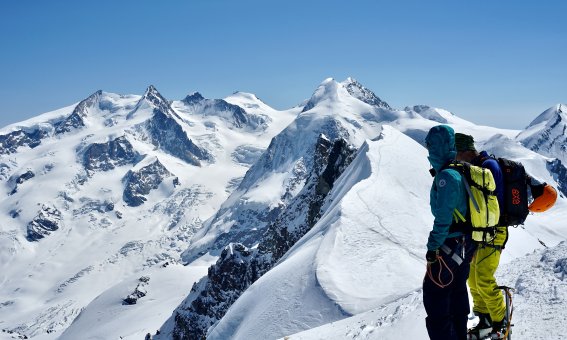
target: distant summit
<point>547,134</point>
<point>360,92</point>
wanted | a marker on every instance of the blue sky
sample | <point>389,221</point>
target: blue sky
<point>498,63</point>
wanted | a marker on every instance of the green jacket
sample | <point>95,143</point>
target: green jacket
<point>448,190</point>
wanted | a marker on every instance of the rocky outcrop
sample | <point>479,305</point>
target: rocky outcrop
<point>166,133</point>
<point>107,156</point>
<point>10,142</point>
<point>47,221</point>
<point>75,119</point>
<point>235,270</point>
<point>239,266</point>
<point>355,89</point>
<point>21,179</point>
<point>559,173</point>
<point>139,292</point>
<point>139,183</point>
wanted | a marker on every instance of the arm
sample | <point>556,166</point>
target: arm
<point>442,206</point>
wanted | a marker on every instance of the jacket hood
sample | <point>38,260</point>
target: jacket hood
<point>440,142</point>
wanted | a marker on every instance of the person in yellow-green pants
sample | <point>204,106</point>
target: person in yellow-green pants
<point>488,301</point>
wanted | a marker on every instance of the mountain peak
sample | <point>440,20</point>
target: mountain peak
<point>194,97</point>
<point>152,92</point>
<point>355,89</point>
<point>155,99</point>
<point>327,89</point>
<point>90,101</point>
<point>555,112</point>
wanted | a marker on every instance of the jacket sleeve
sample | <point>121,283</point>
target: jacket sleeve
<point>444,202</point>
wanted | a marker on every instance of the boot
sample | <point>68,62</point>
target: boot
<point>498,329</point>
<point>482,329</point>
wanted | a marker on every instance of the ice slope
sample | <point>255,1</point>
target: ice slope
<point>367,250</point>
<point>44,285</point>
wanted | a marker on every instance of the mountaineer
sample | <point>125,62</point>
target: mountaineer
<point>449,246</point>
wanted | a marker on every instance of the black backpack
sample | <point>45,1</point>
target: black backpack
<point>514,208</point>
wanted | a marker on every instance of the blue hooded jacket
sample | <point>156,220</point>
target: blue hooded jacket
<point>448,190</point>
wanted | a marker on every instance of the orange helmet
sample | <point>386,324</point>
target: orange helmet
<point>545,201</point>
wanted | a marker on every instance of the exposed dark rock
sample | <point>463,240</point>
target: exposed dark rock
<point>75,119</point>
<point>166,133</point>
<point>47,221</point>
<point>140,183</point>
<point>107,156</point>
<point>559,173</point>
<point>21,179</point>
<point>193,98</point>
<point>15,213</point>
<point>10,142</point>
<point>235,270</point>
<point>157,101</point>
<point>138,293</point>
<point>355,89</point>
<point>239,266</point>
<point>25,176</point>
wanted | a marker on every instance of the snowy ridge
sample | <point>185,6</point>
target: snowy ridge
<point>238,266</point>
<point>547,134</point>
<point>315,292</point>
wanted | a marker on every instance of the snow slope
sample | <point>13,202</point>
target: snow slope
<point>367,250</point>
<point>539,300</point>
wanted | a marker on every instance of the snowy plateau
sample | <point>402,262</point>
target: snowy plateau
<point>138,217</point>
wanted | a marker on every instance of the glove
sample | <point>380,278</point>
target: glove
<point>431,255</point>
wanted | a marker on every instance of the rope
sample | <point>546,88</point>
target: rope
<point>442,263</point>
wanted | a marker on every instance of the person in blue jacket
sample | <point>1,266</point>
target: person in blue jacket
<point>449,246</point>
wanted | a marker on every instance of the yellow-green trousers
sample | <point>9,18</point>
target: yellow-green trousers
<point>487,298</point>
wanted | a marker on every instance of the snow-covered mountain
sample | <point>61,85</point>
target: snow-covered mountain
<point>124,215</point>
<point>102,192</point>
<point>547,134</point>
